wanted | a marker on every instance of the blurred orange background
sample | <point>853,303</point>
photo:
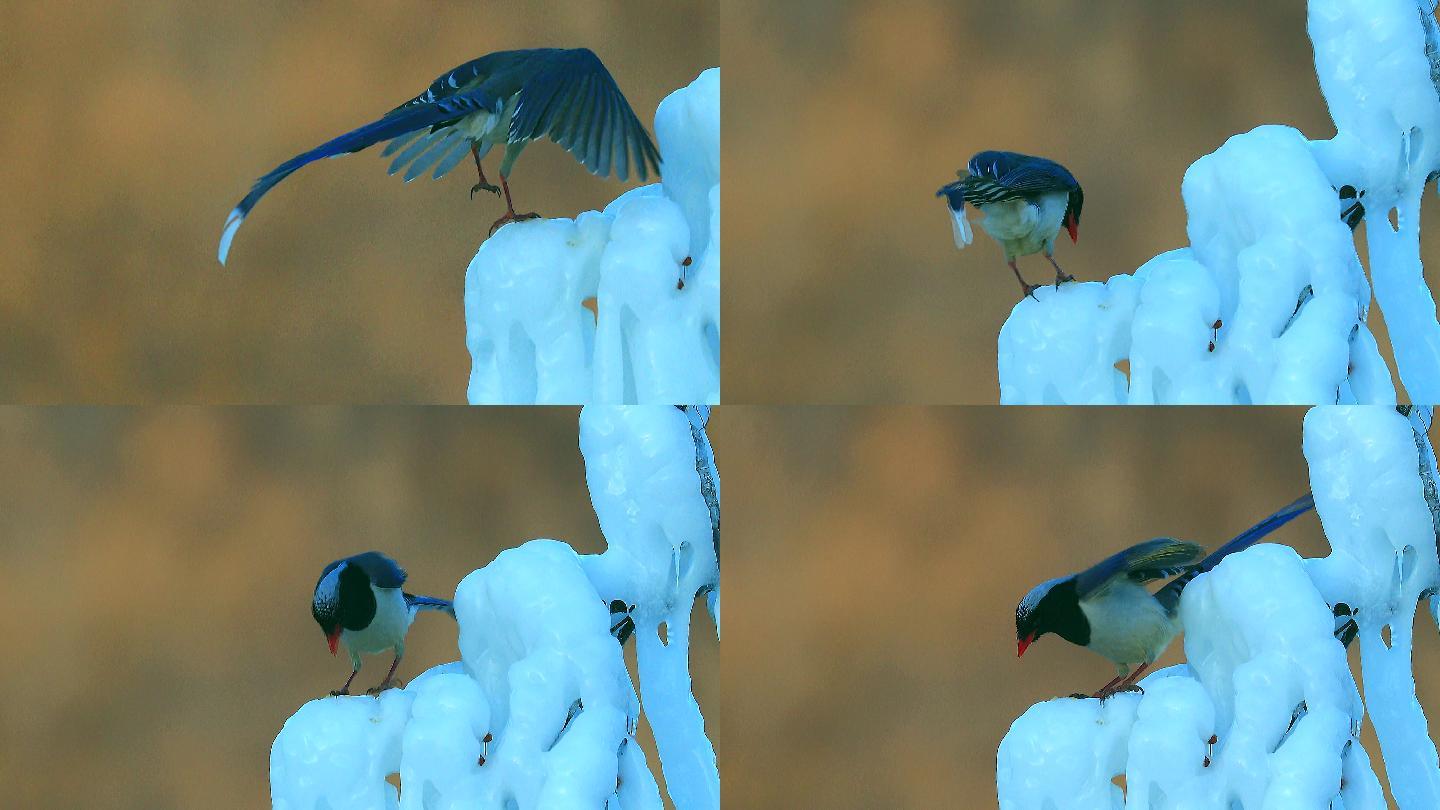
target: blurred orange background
<point>158,567</point>
<point>131,130</point>
<point>843,118</point>
<point>876,555</point>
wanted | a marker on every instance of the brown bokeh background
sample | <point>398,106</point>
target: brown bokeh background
<point>157,567</point>
<point>131,130</point>
<point>875,558</point>
<point>842,118</point>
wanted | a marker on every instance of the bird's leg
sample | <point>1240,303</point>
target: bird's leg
<point>1060,275</point>
<point>1128,685</point>
<point>510,215</point>
<point>483,185</point>
<point>1029,289</point>
<point>345,690</point>
<point>1105,691</point>
<point>389,678</point>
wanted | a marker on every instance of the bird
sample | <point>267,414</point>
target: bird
<point>1105,608</point>
<point>1025,199</point>
<point>505,98</point>
<point>358,600</point>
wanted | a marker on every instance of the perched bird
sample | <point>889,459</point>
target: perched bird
<point>1105,609</point>
<point>509,98</point>
<point>1025,201</point>
<point>358,600</point>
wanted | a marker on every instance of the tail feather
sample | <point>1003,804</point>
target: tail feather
<point>1169,595</point>
<point>400,122</point>
<point>418,603</point>
<point>433,154</point>
<point>411,152</point>
<point>954,195</point>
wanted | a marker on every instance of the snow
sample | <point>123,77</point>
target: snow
<point>1265,674</point>
<point>1269,257</point>
<point>532,341</point>
<point>539,671</point>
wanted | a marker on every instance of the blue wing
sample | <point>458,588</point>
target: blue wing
<point>402,120</point>
<point>572,99</point>
<point>382,570</point>
<point>1142,562</point>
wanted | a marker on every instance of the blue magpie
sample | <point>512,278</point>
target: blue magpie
<point>1105,608</point>
<point>358,600</point>
<point>509,98</point>
<point>1025,200</point>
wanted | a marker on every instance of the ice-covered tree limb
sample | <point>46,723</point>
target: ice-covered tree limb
<point>530,337</point>
<point>1270,259</point>
<point>540,672</point>
<point>1266,675</point>
<point>662,553</point>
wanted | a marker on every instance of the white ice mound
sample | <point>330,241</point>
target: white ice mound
<point>1266,676</point>
<point>540,672</point>
<point>1269,256</point>
<point>531,339</point>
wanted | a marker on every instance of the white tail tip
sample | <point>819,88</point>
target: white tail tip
<point>232,224</point>
<point>961,226</point>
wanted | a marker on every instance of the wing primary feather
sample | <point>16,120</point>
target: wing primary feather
<point>607,137</point>
<point>622,148</point>
<point>595,126</point>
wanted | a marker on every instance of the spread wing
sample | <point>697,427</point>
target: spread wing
<point>572,99</point>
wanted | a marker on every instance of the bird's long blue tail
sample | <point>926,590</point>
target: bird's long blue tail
<point>398,122</point>
<point>1170,594</point>
<point>430,603</point>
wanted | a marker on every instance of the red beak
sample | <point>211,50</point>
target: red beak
<point>334,639</point>
<point>1074,228</point>
<point>1024,643</point>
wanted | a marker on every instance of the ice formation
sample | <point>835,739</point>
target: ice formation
<point>531,339</point>
<point>1270,259</point>
<point>1266,678</point>
<point>539,671</point>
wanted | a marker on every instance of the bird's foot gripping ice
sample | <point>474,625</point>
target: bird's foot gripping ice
<point>511,216</point>
<point>1060,275</point>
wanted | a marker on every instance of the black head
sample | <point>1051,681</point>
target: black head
<point>1051,607</point>
<point>343,600</point>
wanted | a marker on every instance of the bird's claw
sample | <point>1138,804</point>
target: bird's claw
<point>490,187</point>
<point>1030,290</point>
<point>511,217</point>
<point>1061,278</point>
<point>393,683</point>
<point>339,692</point>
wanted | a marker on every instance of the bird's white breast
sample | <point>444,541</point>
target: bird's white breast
<point>1024,227</point>
<point>1127,625</point>
<point>392,619</point>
